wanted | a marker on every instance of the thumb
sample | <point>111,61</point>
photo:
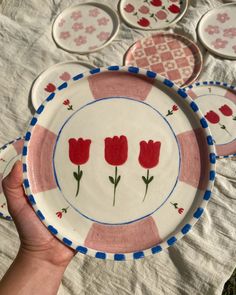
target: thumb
<point>13,189</point>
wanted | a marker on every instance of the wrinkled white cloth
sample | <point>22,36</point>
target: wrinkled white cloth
<point>202,261</point>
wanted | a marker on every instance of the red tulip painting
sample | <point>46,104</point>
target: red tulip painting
<point>60,213</point>
<point>116,154</point>
<point>50,87</point>
<point>67,103</point>
<point>174,8</point>
<point>214,118</point>
<point>149,158</point>
<point>79,155</point>
<point>171,112</point>
<point>227,111</point>
<point>176,206</point>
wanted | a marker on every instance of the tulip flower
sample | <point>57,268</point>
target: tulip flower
<point>174,109</point>
<point>79,155</point>
<point>214,118</point>
<point>143,22</point>
<point>148,159</point>
<point>66,102</point>
<point>180,210</point>
<point>174,8</point>
<point>50,87</point>
<point>116,154</point>
<point>129,8</point>
<point>227,111</point>
<point>60,213</point>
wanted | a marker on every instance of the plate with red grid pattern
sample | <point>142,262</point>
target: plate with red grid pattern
<point>172,56</point>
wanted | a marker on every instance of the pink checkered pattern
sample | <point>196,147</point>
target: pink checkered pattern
<point>170,55</point>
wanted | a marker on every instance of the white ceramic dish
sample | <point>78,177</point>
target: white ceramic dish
<point>116,177</point>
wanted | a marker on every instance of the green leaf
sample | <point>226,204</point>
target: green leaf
<point>150,179</point>
<point>118,180</point>
<point>80,174</point>
<point>111,179</point>
<point>144,179</point>
<point>75,175</point>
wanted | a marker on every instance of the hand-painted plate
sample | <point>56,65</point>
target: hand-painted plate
<point>119,163</point>
<point>9,154</point>
<point>86,27</point>
<point>217,31</point>
<point>48,80</point>
<point>217,101</point>
<point>152,14</point>
<point>172,56</point>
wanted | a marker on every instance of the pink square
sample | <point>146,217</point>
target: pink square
<point>166,56</point>
<point>173,75</point>
<point>158,68</point>
<point>159,40</point>
<point>182,62</point>
<point>150,50</point>
<point>173,44</point>
<point>142,62</point>
<point>187,51</point>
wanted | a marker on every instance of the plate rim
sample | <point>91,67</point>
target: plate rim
<point>199,28</point>
<point>214,83</point>
<point>2,148</point>
<point>178,35</point>
<point>149,29</point>
<point>206,195</point>
<point>35,85</point>
<point>100,5</point>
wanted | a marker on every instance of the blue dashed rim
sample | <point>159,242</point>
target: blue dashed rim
<point>2,215</point>
<point>206,195</point>
<point>214,83</point>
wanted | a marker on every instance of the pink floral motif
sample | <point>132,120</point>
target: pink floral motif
<point>154,59</point>
<point>138,53</point>
<point>94,12</point>
<point>211,30</point>
<point>234,48</point>
<point>103,21</point>
<point>76,15</point>
<point>80,40</point>
<point>77,26</point>
<point>170,65</point>
<point>178,53</point>
<point>186,72</point>
<point>230,33</point>
<point>64,35</point>
<point>62,22</point>
<point>103,36</point>
<point>222,17</point>
<point>148,42</point>
<point>162,47</point>
<point>90,29</point>
<point>219,43</point>
<point>144,9</point>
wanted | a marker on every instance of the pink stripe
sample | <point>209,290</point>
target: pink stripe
<point>18,145</point>
<point>40,153</point>
<point>120,84</point>
<point>192,94</point>
<point>226,149</point>
<point>194,158</point>
<point>1,178</point>
<point>230,95</point>
<point>131,237</point>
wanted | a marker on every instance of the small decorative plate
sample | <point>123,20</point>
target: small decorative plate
<point>118,163</point>
<point>172,56</point>
<point>217,101</point>
<point>217,31</point>
<point>49,79</point>
<point>9,154</point>
<point>152,14</point>
<point>86,27</point>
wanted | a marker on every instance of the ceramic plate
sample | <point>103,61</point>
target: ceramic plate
<point>9,154</point>
<point>217,31</point>
<point>217,101</point>
<point>152,14</point>
<point>86,27</point>
<point>118,164</point>
<point>172,56</point>
<point>48,80</point>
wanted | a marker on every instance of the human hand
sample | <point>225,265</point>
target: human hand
<point>36,241</point>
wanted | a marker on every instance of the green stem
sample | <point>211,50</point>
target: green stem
<point>78,182</point>
<point>146,185</point>
<point>115,184</point>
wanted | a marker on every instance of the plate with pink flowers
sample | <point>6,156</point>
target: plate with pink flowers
<point>48,81</point>
<point>217,31</point>
<point>9,154</point>
<point>126,170</point>
<point>217,101</point>
<point>152,14</point>
<point>86,27</point>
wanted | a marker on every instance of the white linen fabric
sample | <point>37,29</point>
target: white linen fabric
<point>202,261</point>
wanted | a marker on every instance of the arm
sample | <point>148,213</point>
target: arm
<point>42,259</point>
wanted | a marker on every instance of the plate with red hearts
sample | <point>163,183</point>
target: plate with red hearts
<point>217,100</point>
<point>152,14</point>
<point>48,81</point>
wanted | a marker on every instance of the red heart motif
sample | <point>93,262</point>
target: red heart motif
<point>50,88</point>
<point>65,76</point>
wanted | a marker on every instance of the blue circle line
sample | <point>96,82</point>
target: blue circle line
<point>104,99</point>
